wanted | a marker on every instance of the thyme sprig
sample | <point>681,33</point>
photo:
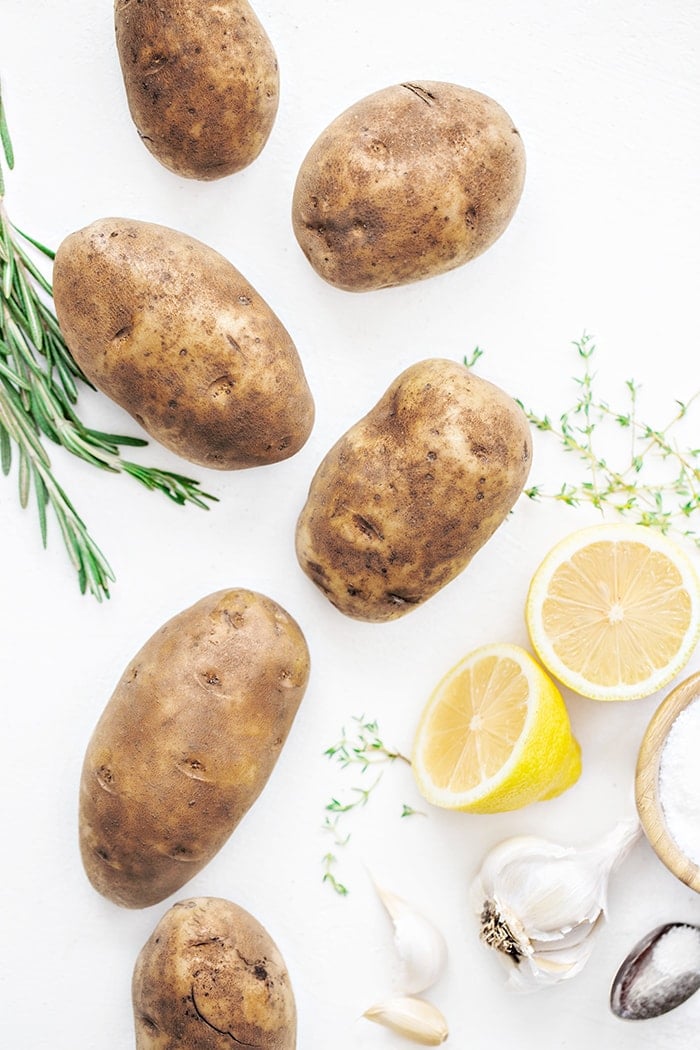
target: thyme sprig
<point>38,391</point>
<point>655,480</point>
<point>362,748</point>
<point>329,876</point>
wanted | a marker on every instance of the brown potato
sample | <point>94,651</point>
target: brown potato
<point>408,183</point>
<point>403,501</point>
<point>173,333</point>
<point>187,742</point>
<point>201,82</point>
<point>211,977</point>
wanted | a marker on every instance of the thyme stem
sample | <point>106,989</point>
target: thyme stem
<point>362,747</point>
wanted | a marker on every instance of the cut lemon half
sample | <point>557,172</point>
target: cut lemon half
<point>495,735</point>
<point>613,611</point>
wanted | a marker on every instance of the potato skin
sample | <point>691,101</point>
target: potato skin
<point>211,977</point>
<point>201,82</point>
<point>407,496</point>
<point>410,182</point>
<point>171,331</point>
<point>187,742</point>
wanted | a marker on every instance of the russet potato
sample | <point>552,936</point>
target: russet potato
<point>408,183</point>
<point>187,742</point>
<point>201,82</point>
<point>171,331</point>
<point>210,977</point>
<point>403,501</point>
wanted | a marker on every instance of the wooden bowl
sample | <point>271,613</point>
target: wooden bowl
<point>646,783</point>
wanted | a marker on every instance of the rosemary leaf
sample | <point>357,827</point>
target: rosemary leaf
<point>31,315</point>
<point>6,144</point>
<point>48,252</point>
<point>9,262</point>
<point>42,499</point>
<point>5,451</point>
<point>25,477</point>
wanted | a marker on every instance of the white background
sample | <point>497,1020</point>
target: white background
<point>605,95</point>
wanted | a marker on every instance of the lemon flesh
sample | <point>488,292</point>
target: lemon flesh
<point>495,735</point>
<point>613,611</point>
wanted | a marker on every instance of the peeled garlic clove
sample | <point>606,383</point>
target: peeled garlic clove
<point>415,1018</point>
<point>660,973</point>
<point>420,946</point>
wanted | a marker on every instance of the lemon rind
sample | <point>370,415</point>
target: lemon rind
<point>537,679</point>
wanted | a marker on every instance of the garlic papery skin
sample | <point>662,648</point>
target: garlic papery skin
<point>419,944</point>
<point>540,903</point>
<point>414,1018</point>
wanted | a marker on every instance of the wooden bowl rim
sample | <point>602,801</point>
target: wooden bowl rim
<point>646,782</point>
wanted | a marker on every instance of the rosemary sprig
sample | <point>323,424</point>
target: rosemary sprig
<point>654,480</point>
<point>38,391</point>
<point>363,748</point>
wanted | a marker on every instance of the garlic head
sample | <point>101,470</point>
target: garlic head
<point>540,903</point>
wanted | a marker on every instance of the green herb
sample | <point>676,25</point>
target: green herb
<point>362,748</point>
<point>38,391</point>
<point>409,811</point>
<point>471,361</point>
<point>328,861</point>
<point>656,478</point>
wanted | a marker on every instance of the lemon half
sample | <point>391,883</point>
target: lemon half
<point>613,611</point>
<point>495,735</point>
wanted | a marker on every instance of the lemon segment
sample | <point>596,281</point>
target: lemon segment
<point>494,735</point>
<point>613,611</point>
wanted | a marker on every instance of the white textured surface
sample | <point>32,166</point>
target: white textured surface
<point>679,781</point>
<point>605,239</point>
<point>678,951</point>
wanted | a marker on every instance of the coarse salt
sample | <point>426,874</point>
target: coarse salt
<point>678,951</point>
<point>679,781</point>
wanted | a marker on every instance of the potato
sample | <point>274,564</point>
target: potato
<point>187,742</point>
<point>211,977</point>
<point>409,494</point>
<point>409,182</point>
<point>173,333</point>
<point>201,82</point>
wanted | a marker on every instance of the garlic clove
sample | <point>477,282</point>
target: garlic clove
<point>414,1018</point>
<point>499,856</point>
<point>419,944</point>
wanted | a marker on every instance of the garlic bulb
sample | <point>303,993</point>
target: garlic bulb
<point>414,1018</point>
<point>420,946</point>
<point>541,903</point>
